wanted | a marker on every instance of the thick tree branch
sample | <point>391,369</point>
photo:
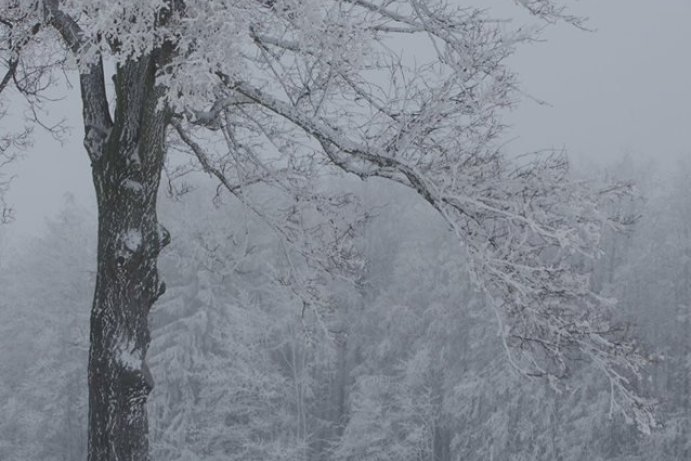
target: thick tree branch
<point>95,112</point>
<point>205,162</point>
<point>359,160</point>
<point>97,119</point>
<point>7,78</point>
<point>66,26</point>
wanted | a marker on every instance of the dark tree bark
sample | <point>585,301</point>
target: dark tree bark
<point>126,176</point>
<point>127,156</point>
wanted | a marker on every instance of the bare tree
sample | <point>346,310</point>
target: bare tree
<point>295,89</point>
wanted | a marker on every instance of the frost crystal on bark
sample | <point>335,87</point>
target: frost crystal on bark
<point>128,355</point>
<point>132,239</point>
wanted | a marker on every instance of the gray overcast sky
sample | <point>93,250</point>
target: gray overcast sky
<point>626,86</point>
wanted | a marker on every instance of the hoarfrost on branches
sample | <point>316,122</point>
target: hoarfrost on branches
<point>293,90</point>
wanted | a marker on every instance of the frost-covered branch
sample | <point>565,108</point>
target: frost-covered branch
<point>316,225</point>
<point>299,89</point>
<point>525,225</point>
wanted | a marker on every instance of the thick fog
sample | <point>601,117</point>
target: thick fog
<point>366,332</point>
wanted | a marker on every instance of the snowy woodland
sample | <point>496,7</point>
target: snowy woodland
<point>310,242</point>
<point>403,364</point>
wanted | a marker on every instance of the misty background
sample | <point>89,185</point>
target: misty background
<point>413,342</point>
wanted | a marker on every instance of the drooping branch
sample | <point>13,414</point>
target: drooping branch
<point>522,228</point>
<point>204,160</point>
<point>314,247</point>
<point>348,155</point>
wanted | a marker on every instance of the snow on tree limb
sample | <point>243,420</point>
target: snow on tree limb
<point>298,85</point>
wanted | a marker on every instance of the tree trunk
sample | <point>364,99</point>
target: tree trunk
<point>127,159</point>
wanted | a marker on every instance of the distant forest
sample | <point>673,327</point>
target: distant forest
<point>402,362</point>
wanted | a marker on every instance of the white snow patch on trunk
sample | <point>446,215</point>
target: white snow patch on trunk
<point>128,355</point>
<point>132,239</point>
<point>132,185</point>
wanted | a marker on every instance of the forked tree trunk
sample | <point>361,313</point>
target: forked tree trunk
<point>126,175</point>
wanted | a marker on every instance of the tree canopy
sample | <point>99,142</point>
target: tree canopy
<point>285,93</point>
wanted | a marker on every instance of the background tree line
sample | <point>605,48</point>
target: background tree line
<point>402,361</point>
